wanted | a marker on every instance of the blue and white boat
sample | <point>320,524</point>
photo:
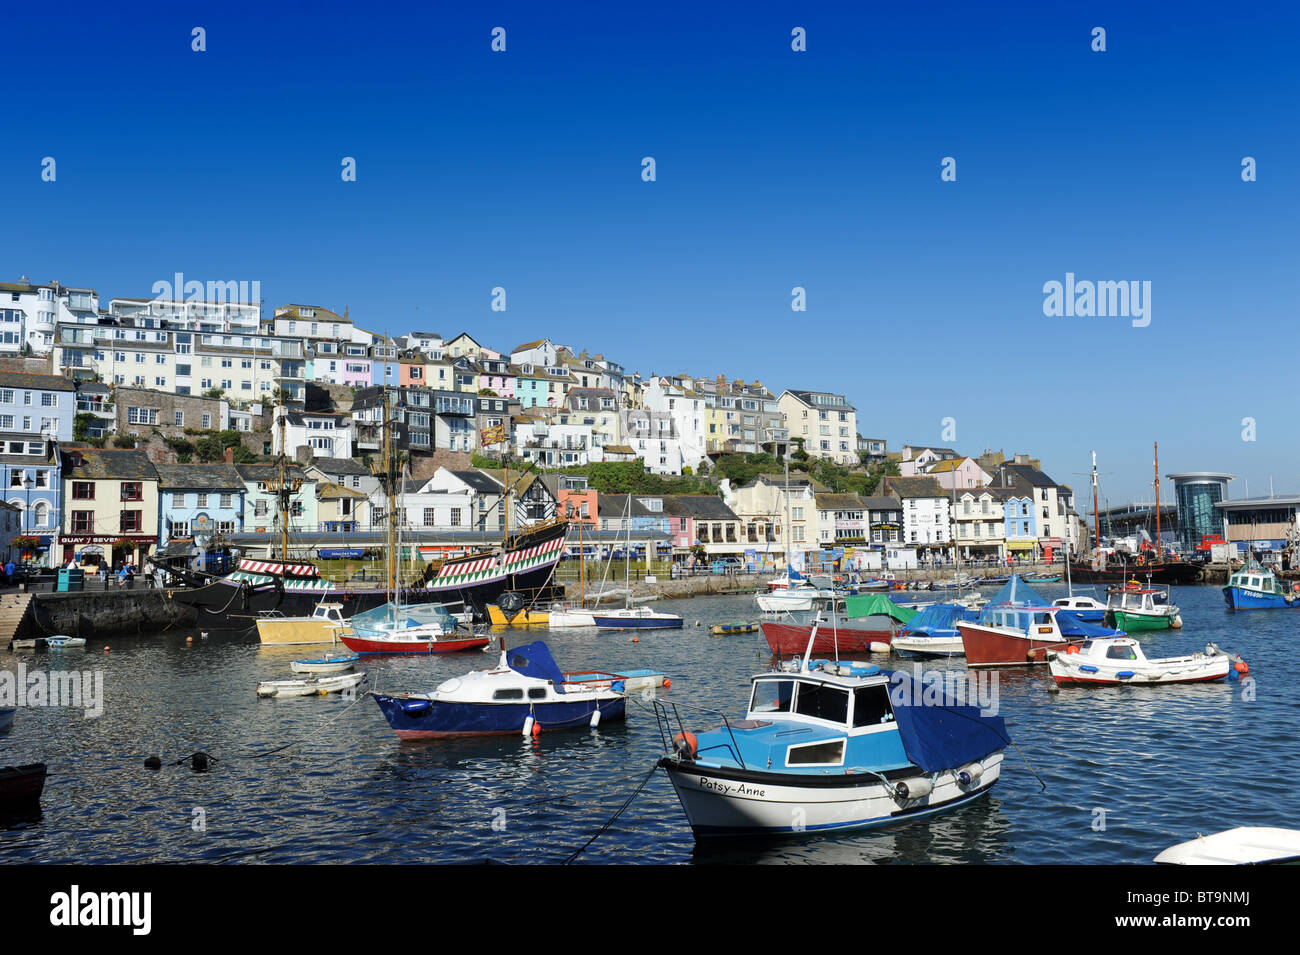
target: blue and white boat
<point>636,618</point>
<point>933,632</point>
<point>1087,609</point>
<point>827,746</point>
<point>1255,587</point>
<point>525,693</point>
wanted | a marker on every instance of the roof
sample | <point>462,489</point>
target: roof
<point>528,346</point>
<point>619,449</point>
<point>947,464</point>
<point>616,505</point>
<point>268,472</point>
<point>700,506</point>
<point>1034,476</point>
<point>199,476</point>
<point>906,487</point>
<point>838,502</point>
<point>881,503</point>
<point>341,466</point>
<point>99,464</point>
<point>330,489</point>
<point>26,379</point>
<point>479,481</point>
<point>806,398</point>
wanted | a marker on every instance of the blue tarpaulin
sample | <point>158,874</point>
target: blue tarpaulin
<point>1072,626</point>
<point>535,660</point>
<point>1017,593</point>
<point>939,620</point>
<point>937,732</point>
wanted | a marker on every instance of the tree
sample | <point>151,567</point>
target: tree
<point>123,441</point>
<point>799,457</point>
<point>214,393</point>
<point>80,425</point>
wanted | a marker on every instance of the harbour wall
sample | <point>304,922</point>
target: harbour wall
<point>105,613</point>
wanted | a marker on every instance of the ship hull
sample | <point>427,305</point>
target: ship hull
<point>1169,572</point>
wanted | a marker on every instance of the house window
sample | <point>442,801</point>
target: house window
<point>259,509</point>
<point>131,522</point>
<point>83,491</point>
<point>83,522</point>
<point>179,419</point>
<point>178,499</point>
<point>227,500</point>
<point>202,500</point>
<point>455,517</point>
<point>133,491</point>
<point>207,423</point>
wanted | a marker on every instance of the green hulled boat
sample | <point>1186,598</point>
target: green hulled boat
<point>1133,607</point>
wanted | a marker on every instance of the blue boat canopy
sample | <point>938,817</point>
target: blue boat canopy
<point>939,733</point>
<point>1072,626</point>
<point>535,660</point>
<point>1017,593</point>
<point>938,619</point>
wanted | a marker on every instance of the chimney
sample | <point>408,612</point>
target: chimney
<point>230,455</point>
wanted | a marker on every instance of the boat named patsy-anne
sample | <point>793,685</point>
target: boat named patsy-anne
<point>830,746</point>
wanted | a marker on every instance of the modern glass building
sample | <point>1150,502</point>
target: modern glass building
<point>1197,492</point>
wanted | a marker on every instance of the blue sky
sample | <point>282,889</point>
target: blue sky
<point>775,169</point>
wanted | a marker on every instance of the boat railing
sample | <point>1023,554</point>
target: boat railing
<point>666,721</point>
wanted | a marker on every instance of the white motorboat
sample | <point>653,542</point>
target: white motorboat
<point>310,687</point>
<point>1116,660</point>
<point>326,664</point>
<point>636,618</point>
<point>1087,609</point>
<point>62,642</point>
<point>1245,845</point>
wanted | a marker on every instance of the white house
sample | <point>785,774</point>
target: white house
<point>328,435</point>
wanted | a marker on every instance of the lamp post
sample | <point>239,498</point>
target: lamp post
<point>27,514</point>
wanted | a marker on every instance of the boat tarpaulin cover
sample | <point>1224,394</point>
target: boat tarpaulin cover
<point>869,605</point>
<point>1072,626</point>
<point>795,575</point>
<point>535,660</point>
<point>937,731</point>
<point>1016,593</point>
<point>938,619</point>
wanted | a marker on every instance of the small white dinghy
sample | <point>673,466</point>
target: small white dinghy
<point>1116,660</point>
<point>326,664</point>
<point>62,642</point>
<point>1245,845</point>
<point>320,685</point>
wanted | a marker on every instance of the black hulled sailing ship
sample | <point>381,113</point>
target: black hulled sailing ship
<point>522,563</point>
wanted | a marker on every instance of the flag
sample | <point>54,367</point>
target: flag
<point>493,435</point>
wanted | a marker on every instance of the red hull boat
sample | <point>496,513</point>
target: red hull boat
<point>785,639</point>
<point>996,647</point>
<point>441,645</point>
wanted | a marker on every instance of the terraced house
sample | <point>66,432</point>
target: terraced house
<point>31,472</point>
<point>110,498</point>
<point>36,405</point>
<point>826,423</point>
<point>199,502</point>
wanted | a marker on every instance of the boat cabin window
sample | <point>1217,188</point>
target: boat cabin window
<point>871,706</point>
<point>772,696</point>
<point>822,702</point>
<point>1042,618</point>
<point>830,753</point>
<point>537,693</point>
<point>1120,653</point>
<point>508,695</point>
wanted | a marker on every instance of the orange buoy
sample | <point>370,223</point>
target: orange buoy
<point>537,729</point>
<point>189,639</point>
<point>686,745</point>
<point>1241,667</point>
<point>667,683</point>
<point>1072,649</point>
<point>636,639</point>
<point>106,649</point>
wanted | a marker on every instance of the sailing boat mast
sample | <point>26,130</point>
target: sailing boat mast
<point>1160,550</point>
<point>788,533</point>
<point>1096,514</point>
<point>282,487</point>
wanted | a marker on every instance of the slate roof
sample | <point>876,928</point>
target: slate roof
<point>1030,474</point>
<point>882,503</point>
<point>99,464</point>
<point>838,502</point>
<point>707,507</point>
<point>331,490</point>
<point>906,487</point>
<point>479,481</point>
<point>258,473</point>
<point>199,476</point>
<point>34,382</point>
<point>341,466</point>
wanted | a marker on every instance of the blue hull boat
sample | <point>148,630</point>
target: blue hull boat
<point>1255,587</point>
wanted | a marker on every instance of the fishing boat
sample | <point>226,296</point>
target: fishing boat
<point>21,787</point>
<point>1120,660</point>
<point>326,664</point>
<point>633,681</point>
<point>1043,579</point>
<point>1245,845</point>
<point>64,643</point>
<point>310,687</point>
<point>523,618</point>
<point>827,746</point>
<point>1255,587</point>
<point>1018,628</point>
<point>933,632</point>
<point>525,693</point>
<point>1133,607</point>
<point>794,598</point>
<point>864,623</point>
<point>325,625</point>
<point>726,629</point>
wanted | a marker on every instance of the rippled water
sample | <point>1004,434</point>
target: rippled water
<point>1163,763</point>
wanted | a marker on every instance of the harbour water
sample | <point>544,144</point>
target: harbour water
<point>1128,770</point>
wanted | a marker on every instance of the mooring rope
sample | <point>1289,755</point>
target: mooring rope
<point>612,819</point>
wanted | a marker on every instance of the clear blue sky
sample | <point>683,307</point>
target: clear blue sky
<point>775,169</point>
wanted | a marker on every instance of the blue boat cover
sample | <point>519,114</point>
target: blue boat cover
<point>1016,593</point>
<point>795,575</point>
<point>938,620</point>
<point>535,660</point>
<point>939,733</point>
<point>1072,626</point>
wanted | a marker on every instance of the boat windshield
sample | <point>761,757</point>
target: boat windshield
<point>772,696</point>
<point>1120,653</point>
<point>822,702</point>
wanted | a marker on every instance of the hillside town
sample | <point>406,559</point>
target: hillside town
<point>151,427</point>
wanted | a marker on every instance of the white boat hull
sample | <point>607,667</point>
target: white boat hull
<point>930,646</point>
<point>719,803</point>
<point>567,619</point>
<point>1072,668</point>
<point>327,684</point>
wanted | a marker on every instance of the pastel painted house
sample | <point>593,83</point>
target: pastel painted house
<point>261,508</point>
<point>200,502</point>
<point>31,472</point>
